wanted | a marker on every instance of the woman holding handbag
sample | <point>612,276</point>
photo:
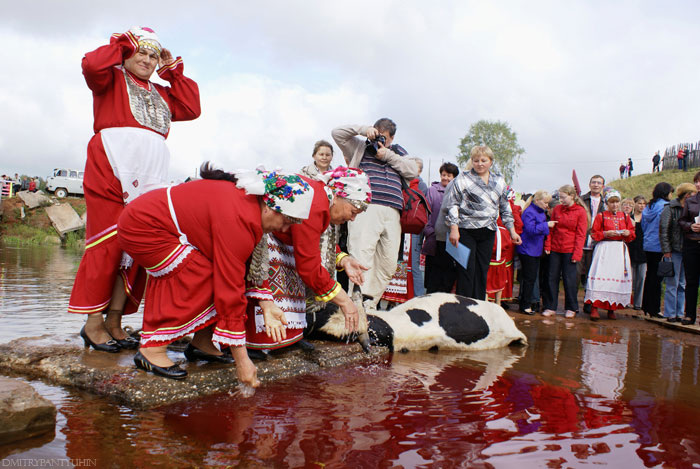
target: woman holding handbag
<point>671,238</point>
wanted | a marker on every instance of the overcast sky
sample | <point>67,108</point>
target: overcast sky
<point>585,85</point>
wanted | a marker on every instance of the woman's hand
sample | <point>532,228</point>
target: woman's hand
<point>246,372</point>
<point>353,269</point>
<point>625,233</point>
<point>166,58</point>
<point>552,223</point>
<point>515,237</point>
<point>454,235</point>
<point>346,305</point>
<point>275,321</point>
<point>695,227</point>
<point>548,252</point>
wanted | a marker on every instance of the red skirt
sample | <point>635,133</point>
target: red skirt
<point>100,265</point>
<point>500,272</point>
<point>400,288</point>
<point>180,287</point>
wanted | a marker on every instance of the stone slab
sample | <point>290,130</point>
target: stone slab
<point>64,218</point>
<point>695,329</point>
<point>66,362</point>
<point>33,199</point>
<point>23,412</point>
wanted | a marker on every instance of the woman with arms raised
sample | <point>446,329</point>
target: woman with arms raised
<point>126,157</point>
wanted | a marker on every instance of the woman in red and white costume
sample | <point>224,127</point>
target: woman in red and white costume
<point>297,260</point>
<point>196,239</point>
<point>127,157</point>
<point>610,276</point>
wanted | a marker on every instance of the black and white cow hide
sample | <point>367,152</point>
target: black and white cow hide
<point>439,320</point>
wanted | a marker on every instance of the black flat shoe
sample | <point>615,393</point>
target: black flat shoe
<point>172,372</point>
<point>306,346</point>
<point>524,311</point>
<point>255,354</point>
<point>687,322</point>
<point>110,346</point>
<point>672,320</point>
<point>193,354</point>
<point>130,343</point>
<point>657,315</point>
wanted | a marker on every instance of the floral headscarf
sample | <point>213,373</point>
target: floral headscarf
<point>351,184</point>
<point>288,194</point>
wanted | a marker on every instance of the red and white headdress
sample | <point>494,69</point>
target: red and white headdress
<point>147,38</point>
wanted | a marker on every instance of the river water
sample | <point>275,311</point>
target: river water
<point>619,394</point>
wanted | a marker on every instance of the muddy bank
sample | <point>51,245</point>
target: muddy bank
<point>66,362</point>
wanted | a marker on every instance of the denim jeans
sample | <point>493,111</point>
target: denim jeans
<point>639,272</point>
<point>560,266</point>
<point>674,299</point>
<point>416,245</point>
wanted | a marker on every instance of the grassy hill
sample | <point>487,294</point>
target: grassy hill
<point>644,183</point>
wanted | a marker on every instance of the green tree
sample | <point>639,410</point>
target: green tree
<point>501,139</point>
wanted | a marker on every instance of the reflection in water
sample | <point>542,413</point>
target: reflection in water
<point>35,285</point>
<point>618,393</point>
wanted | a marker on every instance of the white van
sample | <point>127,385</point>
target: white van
<point>64,182</point>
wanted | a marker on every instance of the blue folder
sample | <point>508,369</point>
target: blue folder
<point>460,253</point>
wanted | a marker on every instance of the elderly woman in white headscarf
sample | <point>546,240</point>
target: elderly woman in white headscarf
<point>610,276</point>
<point>285,266</point>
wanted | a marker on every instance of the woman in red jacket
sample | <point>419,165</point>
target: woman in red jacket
<point>286,264</point>
<point>610,276</point>
<point>565,247</point>
<point>198,237</point>
<point>126,157</point>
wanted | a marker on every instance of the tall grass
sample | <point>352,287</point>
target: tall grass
<point>644,183</point>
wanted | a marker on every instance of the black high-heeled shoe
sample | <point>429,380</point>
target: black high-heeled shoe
<point>129,343</point>
<point>172,372</point>
<point>110,346</point>
<point>193,354</point>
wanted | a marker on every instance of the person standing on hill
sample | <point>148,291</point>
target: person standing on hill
<point>682,154</point>
<point>656,161</point>
<point>630,167</point>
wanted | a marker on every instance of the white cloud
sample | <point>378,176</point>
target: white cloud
<point>580,82</point>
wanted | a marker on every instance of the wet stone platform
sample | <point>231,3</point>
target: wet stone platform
<point>66,362</point>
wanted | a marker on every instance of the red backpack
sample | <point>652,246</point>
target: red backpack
<point>416,212</point>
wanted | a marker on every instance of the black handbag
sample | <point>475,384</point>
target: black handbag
<point>665,268</point>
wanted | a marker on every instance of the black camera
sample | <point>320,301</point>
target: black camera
<point>373,145</point>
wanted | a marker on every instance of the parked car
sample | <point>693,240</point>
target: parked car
<point>64,182</point>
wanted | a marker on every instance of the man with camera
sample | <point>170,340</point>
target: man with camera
<point>375,235</point>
